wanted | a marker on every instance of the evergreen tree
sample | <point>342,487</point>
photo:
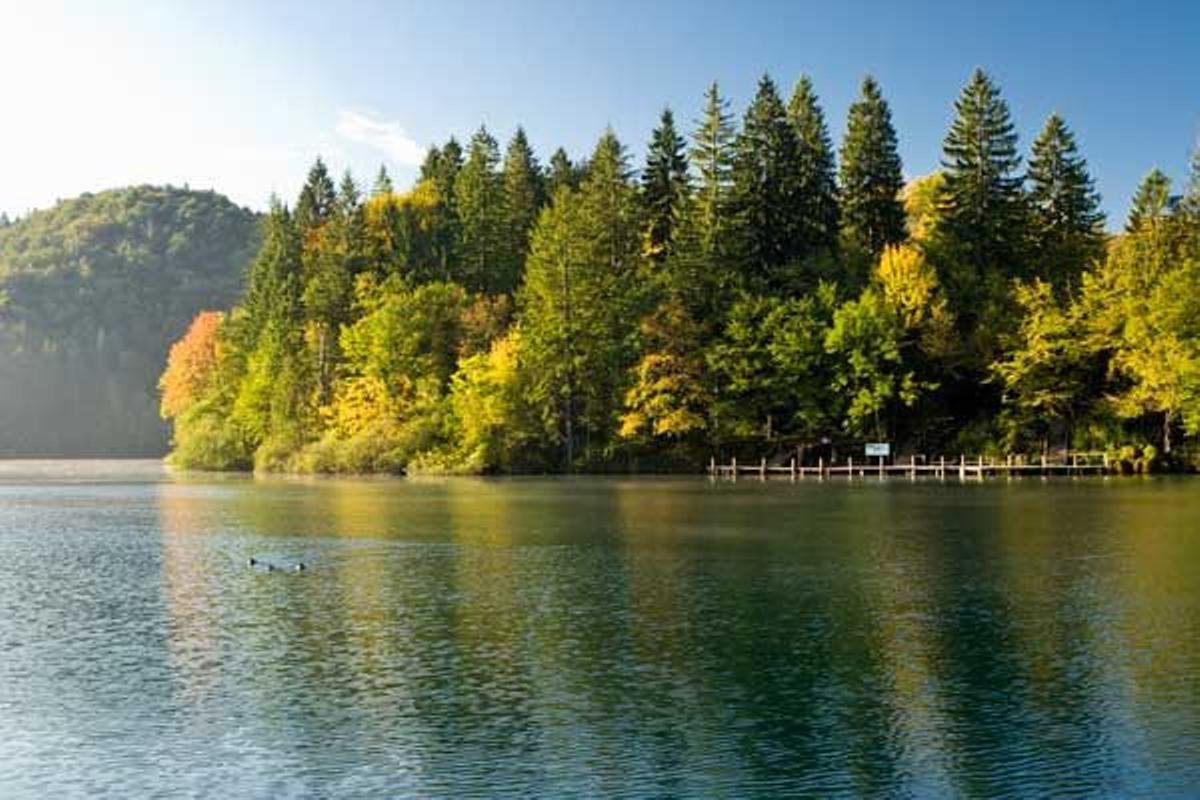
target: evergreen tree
<point>479,199</point>
<point>1151,202</point>
<point>383,183</point>
<point>1066,223</point>
<point>580,304</point>
<point>317,199</point>
<point>871,180</point>
<point>665,187</point>
<point>563,174</point>
<point>440,169</point>
<point>712,156</point>
<point>524,196</point>
<point>275,281</point>
<point>763,201</point>
<point>982,200</point>
<point>815,187</point>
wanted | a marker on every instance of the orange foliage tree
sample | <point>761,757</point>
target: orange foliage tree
<point>191,364</point>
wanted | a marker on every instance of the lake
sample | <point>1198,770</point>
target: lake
<point>595,637</point>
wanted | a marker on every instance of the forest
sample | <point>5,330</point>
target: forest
<point>92,291</point>
<point>749,289</point>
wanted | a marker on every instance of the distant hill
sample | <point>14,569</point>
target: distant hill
<point>92,293</point>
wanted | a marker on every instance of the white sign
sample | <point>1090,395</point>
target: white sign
<point>881,449</point>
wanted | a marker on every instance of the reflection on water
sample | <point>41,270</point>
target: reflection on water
<point>596,637</point>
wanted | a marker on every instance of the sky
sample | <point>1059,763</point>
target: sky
<point>240,97</point>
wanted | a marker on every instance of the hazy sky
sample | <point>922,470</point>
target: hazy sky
<point>241,96</point>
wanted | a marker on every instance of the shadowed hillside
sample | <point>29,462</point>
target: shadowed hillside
<point>92,292</point>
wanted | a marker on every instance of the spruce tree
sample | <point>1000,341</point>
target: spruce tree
<point>665,187</point>
<point>1066,224</point>
<point>871,177</point>
<point>383,183</point>
<point>580,305</point>
<point>523,198</point>
<point>763,202</point>
<point>815,187</point>
<point>982,201</point>
<point>317,199</point>
<point>563,174</point>
<point>440,169</point>
<point>712,156</point>
<point>479,202</point>
<point>1151,202</point>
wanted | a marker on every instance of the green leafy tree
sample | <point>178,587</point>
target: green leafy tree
<point>1067,226</point>
<point>524,196</point>
<point>870,172</point>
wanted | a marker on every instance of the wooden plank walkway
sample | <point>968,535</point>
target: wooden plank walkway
<point>962,467</point>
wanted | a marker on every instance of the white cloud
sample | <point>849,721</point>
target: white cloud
<point>384,135</point>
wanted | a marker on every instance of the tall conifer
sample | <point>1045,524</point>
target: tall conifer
<point>815,187</point>
<point>982,199</point>
<point>712,157</point>
<point>665,187</point>
<point>1066,224</point>
<point>763,202</point>
<point>871,177</point>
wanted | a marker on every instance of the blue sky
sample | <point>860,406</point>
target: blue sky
<point>241,96</point>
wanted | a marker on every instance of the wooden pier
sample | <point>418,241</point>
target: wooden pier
<point>963,467</point>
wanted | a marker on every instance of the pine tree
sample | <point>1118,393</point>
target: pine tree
<point>479,200</point>
<point>440,169</point>
<point>1191,196</point>
<point>317,199</point>
<point>524,196</point>
<point>1066,224</point>
<point>275,282</point>
<point>815,185</point>
<point>383,183</point>
<point>563,174</point>
<point>871,177</point>
<point>665,187</point>
<point>763,202</point>
<point>982,199</point>
<point>1151,202</point>
<point>580,304</point>
<point>712,156</point>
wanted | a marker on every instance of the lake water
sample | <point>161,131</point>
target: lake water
<point>595,637</point>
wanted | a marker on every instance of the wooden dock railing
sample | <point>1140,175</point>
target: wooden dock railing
<point>962,467</point>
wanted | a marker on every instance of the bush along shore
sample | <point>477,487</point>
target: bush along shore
<point>749,290</point>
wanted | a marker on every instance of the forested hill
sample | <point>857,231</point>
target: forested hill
<point>92,292</point>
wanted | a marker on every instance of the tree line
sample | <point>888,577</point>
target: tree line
<point>750,289</point>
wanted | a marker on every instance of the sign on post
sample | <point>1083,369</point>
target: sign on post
<point>880,449</point>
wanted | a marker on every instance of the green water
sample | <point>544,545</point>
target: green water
<point>595,637</point>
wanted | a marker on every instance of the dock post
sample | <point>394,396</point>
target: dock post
<point>942,467</point>
<point>712,466</point>
<point>1043,463</point>
<point>733,467</point>
<point>793,468</point>
<point>821,467</point>
<point>762,469</point>
<point>1106,461</point>
<point>962,467</point>
<point>850,467</point>
<point>912,463</point>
